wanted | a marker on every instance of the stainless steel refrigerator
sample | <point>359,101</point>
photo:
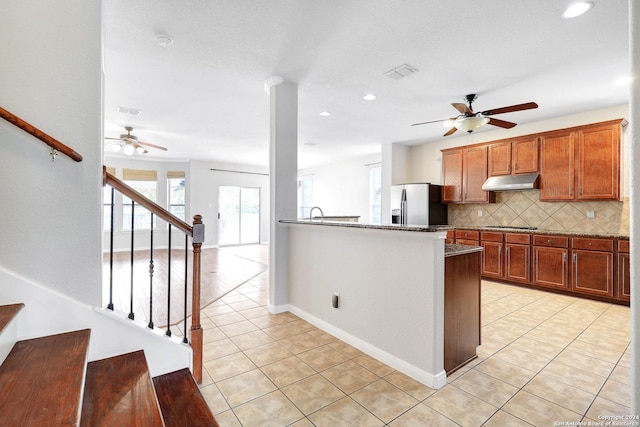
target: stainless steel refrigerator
<point>418,204</point>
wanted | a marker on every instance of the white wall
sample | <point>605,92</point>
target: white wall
<point>51,77</point>
<point>342,188</point>
<point>425,161</point>
<point>203,193</point>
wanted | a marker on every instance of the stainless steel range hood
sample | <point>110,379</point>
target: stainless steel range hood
<point>511,182</point>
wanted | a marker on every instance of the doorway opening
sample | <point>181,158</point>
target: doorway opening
<point>239,215</point>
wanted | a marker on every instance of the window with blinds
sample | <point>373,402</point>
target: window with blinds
<point>145,182</point>
<point>176,197</point>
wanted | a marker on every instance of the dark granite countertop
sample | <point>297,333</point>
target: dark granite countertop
<point>453,250</point>
<point>393,227</point>
<point>539,231</point>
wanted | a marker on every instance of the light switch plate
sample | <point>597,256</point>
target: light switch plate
<point>591,214</point>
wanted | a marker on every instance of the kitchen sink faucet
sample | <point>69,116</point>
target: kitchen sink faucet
<point>311,212</point>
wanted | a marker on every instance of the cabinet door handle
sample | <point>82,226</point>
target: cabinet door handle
<point>575,257</point>
<point>515,166</point>
<point>508,252</point>
<point>549,241</point>
<point>564,257</point>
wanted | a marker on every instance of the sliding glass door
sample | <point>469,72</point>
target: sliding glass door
<point>239,215</point>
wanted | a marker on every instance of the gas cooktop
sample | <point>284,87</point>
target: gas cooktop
<point>513,227</point>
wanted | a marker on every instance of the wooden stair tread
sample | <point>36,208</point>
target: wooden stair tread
<point>8,312</point>
<point>119,392</point>
<point>181,402</point>
<point>41,380</point>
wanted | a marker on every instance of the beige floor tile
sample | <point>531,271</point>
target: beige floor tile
<point>206,378</point>
<point>625,360</point>
<point>217,310</point>
<point>302,423</point>
<point>375,366</point>
<point>599,351</point>
<point>522,358</point>
<point>604,407</point>
<point>244,305</point>
<point>584,380</point>
<point>410,386</point>
<point>586,363</point>
<point>504,331</point>
<point>254,313</point>
<point>538,411</point>
<point>271,410</point>
<point>306,326</point>
<point>312,393</point>
<point>459,372</point>
<point>349,376</point>
<point>238,328</point>
<point>621,374</point>
<point>287,371</point>
<point>597,338</point>
<point>561,394</point>
<point>268,353</point>
<point>460,406</point>
<point>422,415</point>
<point>344,348</point>
<point>344,413</point>
<point>300,343</point>
<point>228,419</point>
<point>617,392</point>
<point>321,358</point>
<point>251,339</point>
<point>384,400</point>
<point>283,331</point>
<point>218,349</point>
<point>549,337</point>
<point>244,387</point>
<point>322,336</point>
<point>538,347</point>
<point>504,419</point>
<point>268,321</point>
<point>485,387</point>
<point>505,371</point>
<point>228,366</point>
<point>213,335</point>
<point>214,399</point>
<point>489,347</point>
<point>227,318</point>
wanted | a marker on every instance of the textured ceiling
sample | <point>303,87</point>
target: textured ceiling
<point>203,97</point>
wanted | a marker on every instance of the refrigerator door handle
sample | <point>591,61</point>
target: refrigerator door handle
<point>403,207</point>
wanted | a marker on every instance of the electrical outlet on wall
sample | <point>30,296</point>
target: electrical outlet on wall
<point>591,214</point>
<point>479,212</point>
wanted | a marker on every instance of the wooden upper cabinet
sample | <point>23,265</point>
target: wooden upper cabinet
<point>513,157</point>
<point>499,158</point>
<point>474,174</point>
<point>525,155</point>
<point>557,158</point>
<point>452,176</point>
<point>599,163</point>
<point>581,163</point>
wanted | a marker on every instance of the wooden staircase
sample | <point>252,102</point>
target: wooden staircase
<point>47,381</point>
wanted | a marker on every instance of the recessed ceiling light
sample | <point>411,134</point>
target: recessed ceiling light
<point>310,144</point>
<point>577,9</point>
<point>325,113</point>
<point>369,97</point>
<point>129,110</point>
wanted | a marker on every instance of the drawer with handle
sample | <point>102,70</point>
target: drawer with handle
<point>591,244</point>
<point>550,241</point>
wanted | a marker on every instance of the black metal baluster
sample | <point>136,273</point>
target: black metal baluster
<point>186,266</point>
<point>151,276</point>
<point>168,333</point>
<point>131,315</point>
<point>110,305</point>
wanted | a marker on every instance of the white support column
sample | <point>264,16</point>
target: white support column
<point>283,175</point>
<point>634,178</point>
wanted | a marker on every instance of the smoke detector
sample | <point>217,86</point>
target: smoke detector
<point>164,40</point>
<point>401,72</point>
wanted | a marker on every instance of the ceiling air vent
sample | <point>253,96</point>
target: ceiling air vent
<point>401,72</point>
<point>130,111</point>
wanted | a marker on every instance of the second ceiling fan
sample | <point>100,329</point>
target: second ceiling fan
<point>469,121</point>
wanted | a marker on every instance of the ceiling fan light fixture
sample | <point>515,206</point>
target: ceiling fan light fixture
<point>577,9</point>
<point>128,150</point>
<point>469,124</point>
<point>116,148</point>
<point>140,150</point>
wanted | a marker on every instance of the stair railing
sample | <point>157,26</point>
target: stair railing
<point>195,232</point>
<point>34,131</point>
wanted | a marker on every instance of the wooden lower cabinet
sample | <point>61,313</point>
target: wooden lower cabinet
<point>517,263</point>
<point>623,272</point>
<point>592,272</point>
<point>492,259</point>
<point>550,267</point>
<point>461,309</point>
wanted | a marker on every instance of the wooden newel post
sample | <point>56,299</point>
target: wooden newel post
<point>196,328</point>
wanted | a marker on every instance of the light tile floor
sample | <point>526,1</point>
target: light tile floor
<point>544,357</point>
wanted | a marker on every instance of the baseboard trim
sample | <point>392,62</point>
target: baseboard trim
<point>434,381</point>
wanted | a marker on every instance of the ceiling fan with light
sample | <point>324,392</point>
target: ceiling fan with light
<point>469,121</point>
<point>129,144</point>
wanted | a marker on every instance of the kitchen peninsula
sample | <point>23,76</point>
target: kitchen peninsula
<point>389,285</point>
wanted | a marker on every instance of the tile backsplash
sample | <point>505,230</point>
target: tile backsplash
<point>524,209</point>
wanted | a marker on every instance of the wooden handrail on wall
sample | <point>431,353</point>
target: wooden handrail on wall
<point>47,139</point>
<point>196,232</point>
